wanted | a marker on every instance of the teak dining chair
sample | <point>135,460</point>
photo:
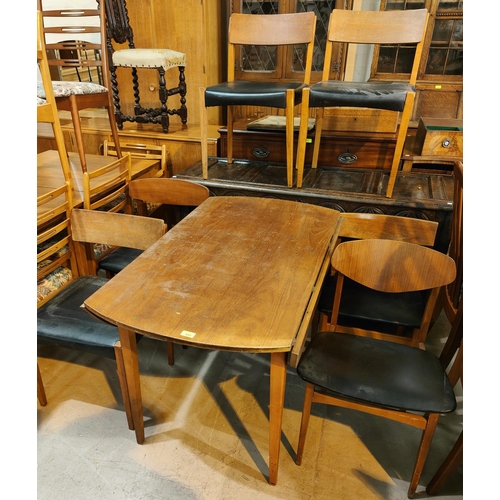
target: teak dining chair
<point>401,27</point>
<point>140,150</point>
<point>159,60</point>
<point>63,285</point>
<point>258,30</point>
<point>76,37</point>
<point>391,380</point>
<point>361,304</point>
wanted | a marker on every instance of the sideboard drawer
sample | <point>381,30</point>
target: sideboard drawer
<point>336,149</point>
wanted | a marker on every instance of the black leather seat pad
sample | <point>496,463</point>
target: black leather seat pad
<point>119,258</point>
<point>379,95</point>
<point>252,93</point>
<point>378,372</point>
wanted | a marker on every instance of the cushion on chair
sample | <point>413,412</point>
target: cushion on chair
<point>65,323</point>
<point>379,95</point>
<point>149,58</point>
<point>252,93</point>
<point>359,302</point>
<point>118,259</point>
<point>378,372</point>
<point>40,101</point>
<point>53,281</point>
<point>65,89</point>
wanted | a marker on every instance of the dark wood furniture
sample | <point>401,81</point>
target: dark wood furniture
<point>255,292</point>
<point>416,194</point>
<point>119,32</point>
<point>338,149</point>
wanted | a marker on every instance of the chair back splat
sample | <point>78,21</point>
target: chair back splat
<point>160,60</point>
<point>405,27</point>
<point>260,30</point>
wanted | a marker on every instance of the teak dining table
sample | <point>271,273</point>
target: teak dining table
<point>237,274</point>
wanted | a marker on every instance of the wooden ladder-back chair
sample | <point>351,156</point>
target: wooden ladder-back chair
<point>159,60</point>
<point>107,189</point>
<point>139,150</point>
<point>47,107</point>
<point>403,28</point>
<point>361,304</point>
<point>76,37</point>
<point>260,30</point>
<point>62,287</point>
<point>391,380</point>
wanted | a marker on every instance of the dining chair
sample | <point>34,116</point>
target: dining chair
<point>454,344</point>
<point>450,297</point>
<point>400,382</point>
<point>404,30</point>
<point>107,189</point>
<point>140,150</point>
<point>261,30</point>
<point>75,38</point>
<point>119,31</point>
<point>47,107</point>
<point>63,285</point>
<point>361,304</point>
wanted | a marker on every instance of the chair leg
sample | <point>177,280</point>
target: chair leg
<point>451,463</point>
<point>163,95</point>
<point>40,390</point>
<point>230,125</point>
<point>318,128</point>
<point>423,450</point>
<point>306,413</point>
<point>182,111</point>
<point>170,353</point>
<point>302,140</point>
<point>116,98</point>
<point>203,134</point>
<point>400,142</point>
<point>77,126</point>
<point>289,111</point>
<point>120,365</point>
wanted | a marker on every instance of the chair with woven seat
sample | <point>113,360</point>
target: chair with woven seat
<point>62,284</point>
<point>360,304</point>
<point>405,28</point>
<point>71,34</point>
<point>260,30</point>
<point>395,381</point>
<point>119,31</point>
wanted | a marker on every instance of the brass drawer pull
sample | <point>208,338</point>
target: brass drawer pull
<point>347,158</point>
<point>261,152</point>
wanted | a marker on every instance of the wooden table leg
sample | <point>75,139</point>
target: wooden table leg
<point>276,404</point>
<point>131,362</point>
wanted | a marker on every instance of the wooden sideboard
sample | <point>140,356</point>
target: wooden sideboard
<point>416,194</point>
<point>338,149</point>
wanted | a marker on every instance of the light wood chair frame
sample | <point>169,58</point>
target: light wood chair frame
<point>367,27</point>
<point>276,30</point>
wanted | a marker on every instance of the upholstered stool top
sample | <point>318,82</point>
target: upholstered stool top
<point>149,58</point>
<point>65,89</point>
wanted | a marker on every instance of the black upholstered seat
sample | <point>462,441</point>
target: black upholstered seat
<point>278,30</point>
<point>377,372</point>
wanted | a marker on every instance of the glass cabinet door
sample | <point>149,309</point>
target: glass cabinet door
<point>268,62</point>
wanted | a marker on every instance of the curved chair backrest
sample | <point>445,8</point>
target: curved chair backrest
<point>273,30</point>
<point>168,191</point>
<point>377,27</point>
<point>363,226</point>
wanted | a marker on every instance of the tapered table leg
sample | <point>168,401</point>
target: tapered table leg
<point>276,404</point>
